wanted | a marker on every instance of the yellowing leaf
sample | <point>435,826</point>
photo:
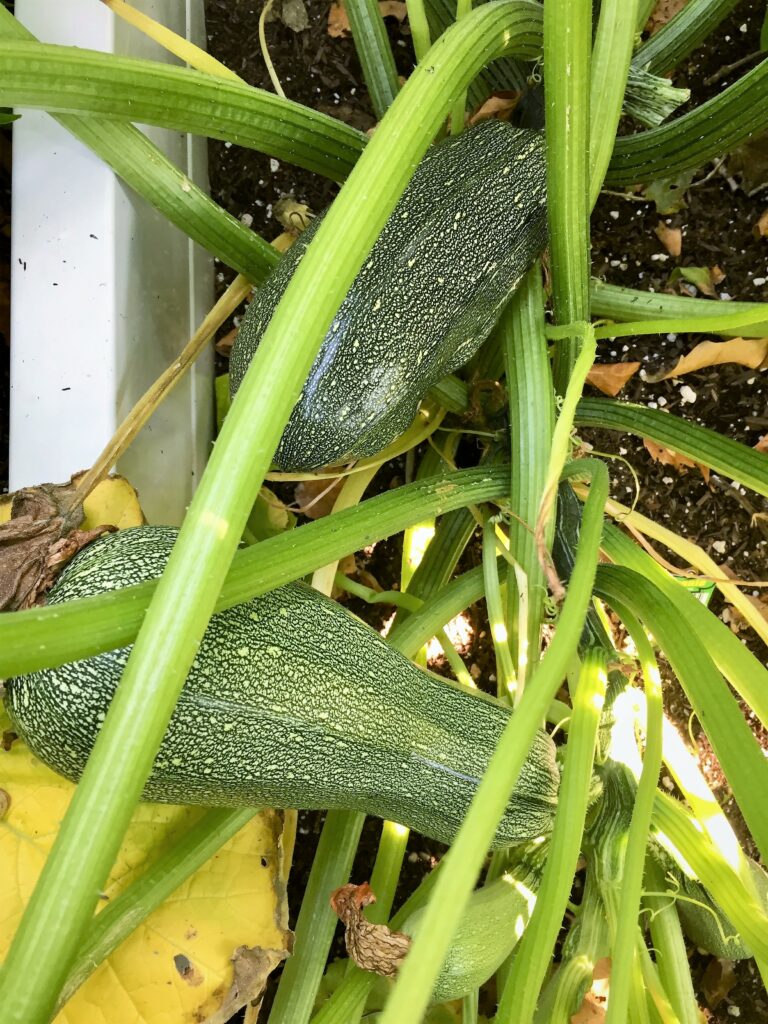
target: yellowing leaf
<point>703,279</point>
<point>113,502</point>
<point>760,230</point>
<point>752,352</point>
<point>176,966</point>
<point>610,378</point>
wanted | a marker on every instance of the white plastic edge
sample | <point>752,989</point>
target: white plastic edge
<point>104,291</point>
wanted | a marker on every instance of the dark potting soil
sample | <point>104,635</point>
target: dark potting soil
<point>717,223</point>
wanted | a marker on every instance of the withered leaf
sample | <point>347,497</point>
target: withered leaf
<point>760,230</point>
<point>717,981</point>
<point>252,965</point>
<point>224,345</point>
<point>594,1006</point>
<point>315,498</point>
<point>703,279</point>
<point>500,105</point>
<point>610,378</point>
<point>373,947</point>
<point>751,352</point>
<point>762,444</point>
<point>338,20</point>
<point>671,238</point>
<point>678,462</point>
<point>664,11</point>
<point>293,215</point>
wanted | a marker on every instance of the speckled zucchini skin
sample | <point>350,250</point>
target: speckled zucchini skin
<point>466,229</point>
<point>290,702</point>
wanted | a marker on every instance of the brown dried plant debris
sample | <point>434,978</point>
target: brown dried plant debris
<point>252,966</point>
<point>40,537</point>
<point>373,947</point>
<point>610,378</point>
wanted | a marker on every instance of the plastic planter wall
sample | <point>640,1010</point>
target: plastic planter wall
<point>105,292</point>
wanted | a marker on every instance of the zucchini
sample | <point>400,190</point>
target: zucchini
<point>467,227</point>
<point>290,702</point>
<point>491,926</point>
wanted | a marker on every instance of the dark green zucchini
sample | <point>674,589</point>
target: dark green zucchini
<point>466,229</point>
<point>290,702</point>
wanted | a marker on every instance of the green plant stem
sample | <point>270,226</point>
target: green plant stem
<point>529,386</point>
<point>316,923</point>
<point>623,963</point>
<point>65,895</point>
<point>534,954</point>
<point>66,80</point>
<point>696,20</point>
<point>46,637</point>
<point>611,55</point>
<point>669,943</point>
<point>460,870</point>
<point>417,19</point>
<point>375,53</point>
<point>725,456</point>
<point>713,128</point>
<point>716,874</point>
<point>505,672</point>
<point>716,708</point>
<point>617,303</point>
<point>463,7</point>
<point>126,912</point>
<point>150,174</point>
<point>567,45</point>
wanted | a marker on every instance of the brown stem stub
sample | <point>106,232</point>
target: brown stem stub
<point>373,947</point>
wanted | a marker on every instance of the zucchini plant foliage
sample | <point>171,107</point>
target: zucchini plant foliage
<point>536,533</point>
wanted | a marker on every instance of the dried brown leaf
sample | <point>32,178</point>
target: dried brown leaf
<point>751,352</point>
<point>760,230</point>
<point>593,1008</point>
<point>293,215</point>
<point>338,19</point>
<point>252,965</point>
<point>373,947</point>
<point>610,378</point>
<point>224,345</point>
<point>717,981</point>
<point>315,498</point>
<point>680,463</point>
<point>670,238</point>
<point>664,11</point>
<point>500,105</point>
<point>762,444</point>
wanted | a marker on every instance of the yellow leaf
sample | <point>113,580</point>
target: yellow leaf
<point>610,378</point>
<point>237,898</point>
<point>751,352</point>
<point>113,502</point>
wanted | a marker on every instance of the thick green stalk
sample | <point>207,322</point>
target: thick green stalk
<point>716,874</point>
<point>372,44</point>
<point>316,924</point>
<point>611,56</point>
<point>67,80</point>
<point>747,675</point>
<point>529,386</point>
<point>688,142</point>
<point>681,35</point>
<point>623,963</point>
<point>46,637</point>
<point>669,943</point>
<point>417,19</point>
<point>126,912</point>
<point>615,303</point>
<point>534,954</point>
<point>706,446</point>
<point>733,741</point>
<point>460,870</point>
<point>149,173</point>
<point>567,45</point>
<point>64,898</point>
